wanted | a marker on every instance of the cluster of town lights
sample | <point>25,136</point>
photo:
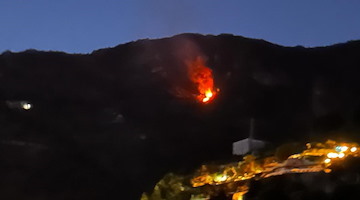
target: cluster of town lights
<point>233,178</point>
<point>331,151</point>
<point>341,153</point>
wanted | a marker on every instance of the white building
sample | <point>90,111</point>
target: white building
<point>248,145</point>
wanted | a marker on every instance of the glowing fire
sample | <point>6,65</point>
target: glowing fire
<point>203,78</point>
<point>208,95</point>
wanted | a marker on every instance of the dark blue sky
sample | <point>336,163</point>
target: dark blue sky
<point>85,25</point>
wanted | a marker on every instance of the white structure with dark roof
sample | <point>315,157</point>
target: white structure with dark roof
<point>248,145</point>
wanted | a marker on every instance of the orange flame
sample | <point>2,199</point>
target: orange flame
<point>203,78</point>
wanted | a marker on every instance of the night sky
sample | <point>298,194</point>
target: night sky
<point>82,26</point>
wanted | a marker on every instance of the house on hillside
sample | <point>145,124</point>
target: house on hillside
<point>248,145</point>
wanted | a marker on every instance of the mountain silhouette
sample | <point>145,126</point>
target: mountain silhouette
<point>109,124</point>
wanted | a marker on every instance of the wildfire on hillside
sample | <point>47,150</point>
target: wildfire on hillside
<point>202,76</point>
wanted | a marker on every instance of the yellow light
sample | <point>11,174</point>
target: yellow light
<point>237,196</point>
<point>344,148</point>
<point>220,178</point>
<point>332,155</point>
<point>308,145</point>
<point>341,155</point>
<point>353,149</point>
<point>327,160</point>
